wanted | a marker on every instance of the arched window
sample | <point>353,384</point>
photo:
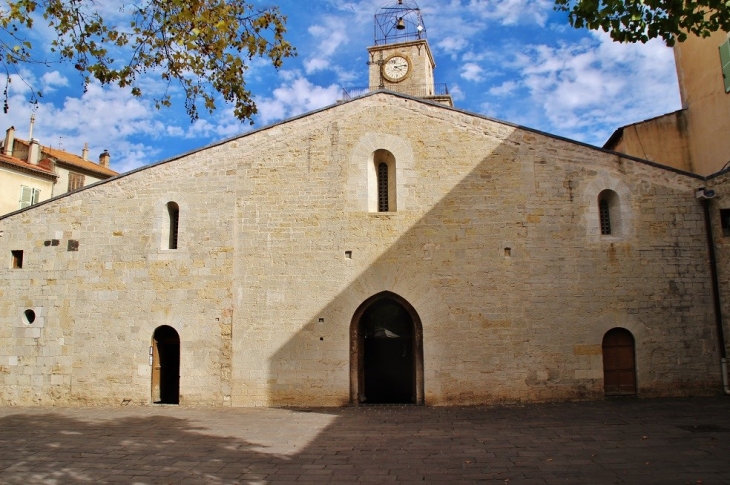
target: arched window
<point>605,216</point>
<point>609,213</point>
<point>381,182</point>
<point>382,187</point>
<point>173,212</point>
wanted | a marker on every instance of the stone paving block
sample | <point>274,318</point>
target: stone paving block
<point>147,445</point>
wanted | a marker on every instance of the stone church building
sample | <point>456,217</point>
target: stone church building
<point>386,249</point>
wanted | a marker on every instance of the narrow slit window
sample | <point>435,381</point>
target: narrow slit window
<point>605,216</point>
<point>725,221</point>
<point>382,187</point>
<point>173,211</point>
<point>17,259</point>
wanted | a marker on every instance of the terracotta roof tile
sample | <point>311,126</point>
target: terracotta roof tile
<point>67,158</point>
<point>43,167</point>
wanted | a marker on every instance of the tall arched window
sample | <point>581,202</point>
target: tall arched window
<point>173,212</point>
<point>609,213</point>
<point>382,187</point>
<point>605,216</point>
<point>381,182</point>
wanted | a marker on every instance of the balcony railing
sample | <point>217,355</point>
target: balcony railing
<point>418,91</point>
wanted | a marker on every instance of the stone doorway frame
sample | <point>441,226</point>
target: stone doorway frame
<point>357,348</point>
<point>158,380</point>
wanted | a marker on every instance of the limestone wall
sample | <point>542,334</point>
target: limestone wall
<point>495,243</point>
<point>97,307</point>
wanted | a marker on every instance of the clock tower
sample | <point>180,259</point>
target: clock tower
<point>401,59</point>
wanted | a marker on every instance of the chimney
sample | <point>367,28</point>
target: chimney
<point>34,152</point>
<point>9,141</point>
<point>104,159</point>
<point>85,152</point>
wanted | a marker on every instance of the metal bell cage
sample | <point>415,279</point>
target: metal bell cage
<point>399,21</point>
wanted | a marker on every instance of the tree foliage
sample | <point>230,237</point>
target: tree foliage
<point>641,20</point>
<point>204,46</point>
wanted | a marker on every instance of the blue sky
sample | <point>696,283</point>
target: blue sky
<point>515,60</point>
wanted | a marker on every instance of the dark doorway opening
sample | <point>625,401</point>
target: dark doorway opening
<point>619,363</point>
<point>387,360</point>
<point>165,366</point>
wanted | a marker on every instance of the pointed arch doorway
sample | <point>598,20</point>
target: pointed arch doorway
<point>386,352</point>
<point>165,366</point>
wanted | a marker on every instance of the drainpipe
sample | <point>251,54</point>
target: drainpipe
<point>704,197</point>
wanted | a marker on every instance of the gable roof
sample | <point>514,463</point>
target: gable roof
<point>71,160</point>
<point>356,100</point>
<point>43,169</point>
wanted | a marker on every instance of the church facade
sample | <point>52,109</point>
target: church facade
<point>386,249</point>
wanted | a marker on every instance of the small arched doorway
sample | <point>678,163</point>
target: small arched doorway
<point>386,361</point>
<point>165,366</point>
<point>619,363</point>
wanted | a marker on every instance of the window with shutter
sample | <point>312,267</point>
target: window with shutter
<point>725,62</point>
<point>28,196</point>
<point>75,181</point>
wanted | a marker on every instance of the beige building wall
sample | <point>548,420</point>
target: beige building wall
<point>708,105</point>
<point>663,140</point>
<point>495,243</point>
<point>695,137</point>
<point>61,185</point>
<point>11,182</point>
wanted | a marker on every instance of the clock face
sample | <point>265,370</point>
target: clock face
<point>396,68</point>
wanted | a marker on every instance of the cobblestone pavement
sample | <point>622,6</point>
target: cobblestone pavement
<point>682,441</point>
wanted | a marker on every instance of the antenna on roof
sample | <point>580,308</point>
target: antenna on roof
<point>32,122</point>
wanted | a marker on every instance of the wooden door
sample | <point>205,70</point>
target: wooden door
<point>619,363</point>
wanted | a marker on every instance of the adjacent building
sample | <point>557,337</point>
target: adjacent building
<point>694,138</point>
<point>31,173</point>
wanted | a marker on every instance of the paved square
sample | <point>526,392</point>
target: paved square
<point>628,441</point>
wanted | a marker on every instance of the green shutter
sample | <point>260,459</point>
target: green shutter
<point>26,196</point>
<point>36,196</point>
<point>725,62</point>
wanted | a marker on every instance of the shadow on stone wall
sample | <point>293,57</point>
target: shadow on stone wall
<point>511,236</point>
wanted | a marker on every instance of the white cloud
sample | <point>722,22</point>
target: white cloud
<point>512,12</point>
<point>451,45</point>
<point>52,80</point>
<point>315,64</point>
<point>106,118</point>
<point>456,93</point>
<point>330,35</point>
<point>504,89</point>
<point>472,72</point>
<point>294,98</point>
<point>586,90</point>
